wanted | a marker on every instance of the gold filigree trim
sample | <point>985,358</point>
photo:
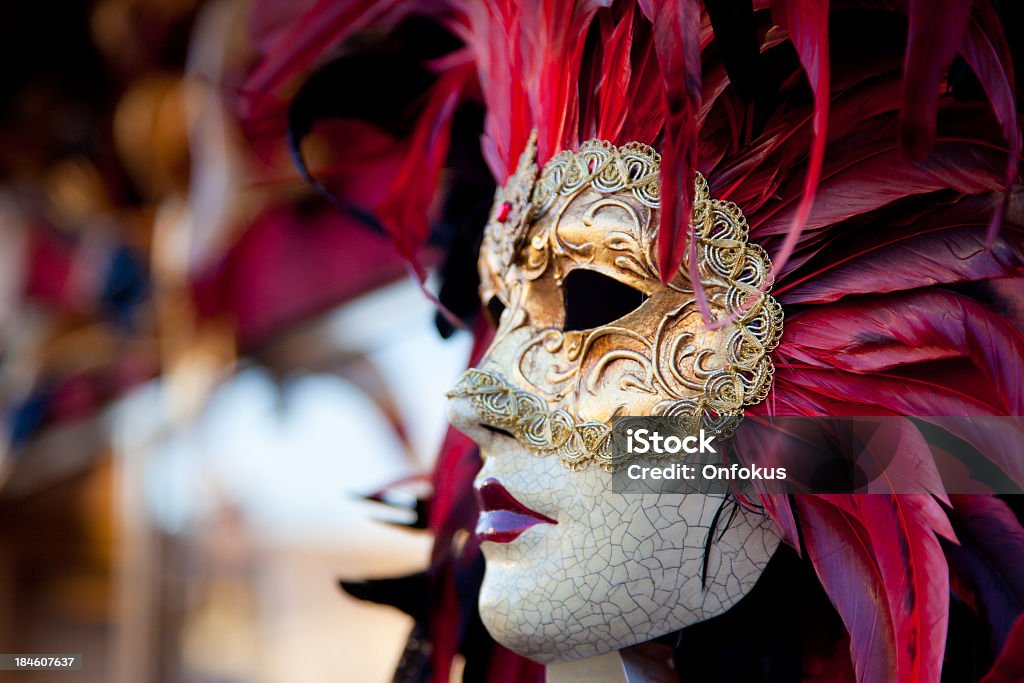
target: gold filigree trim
<point>527,417</point>
<point>744,272</point>
<point>634,167</point>
<point>555,432</point>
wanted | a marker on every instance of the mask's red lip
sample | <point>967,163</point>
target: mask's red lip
<point>502,517</point>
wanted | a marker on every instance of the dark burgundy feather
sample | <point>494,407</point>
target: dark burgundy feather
<point>756,171</point>
<point>867,170</point>
<point>986,561</point>
<point>888,394</point>
<point>736,39</point>
<point>1009,668</point>
<point>946,255</point>
<point>833,392</point>
<point>935,32</point>
<point>988,55</point>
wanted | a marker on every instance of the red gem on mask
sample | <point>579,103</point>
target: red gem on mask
<point>504,211</point>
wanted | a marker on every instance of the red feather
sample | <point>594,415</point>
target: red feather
<point>843,557</point>
<point>779,509</point>
<point>490,30</point>
<point>616,70</point>
<point>506,666</point>
<point>676,26</point>
<point>829,666</point>
<point>405,210</point>
<point>323,26</point>
<point>848,224</point>
<point>806,21</point>
<point>646,95</point>
<point>554,32</point>
<point>902,531</point>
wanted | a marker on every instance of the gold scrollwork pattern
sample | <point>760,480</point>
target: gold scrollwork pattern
<point>510,218</point>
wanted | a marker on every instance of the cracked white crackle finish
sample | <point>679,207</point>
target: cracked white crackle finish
<point>616,570</point>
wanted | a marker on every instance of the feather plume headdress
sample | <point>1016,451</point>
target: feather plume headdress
<point>874,149</point>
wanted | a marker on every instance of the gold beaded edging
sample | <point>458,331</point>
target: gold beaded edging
<point>634,167</point>
<point>553,432</point>
<point>527,417</point>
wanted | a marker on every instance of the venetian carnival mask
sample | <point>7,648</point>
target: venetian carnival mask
<point>588,333</point>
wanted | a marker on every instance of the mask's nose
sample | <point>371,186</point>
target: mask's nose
<point>465,415</point>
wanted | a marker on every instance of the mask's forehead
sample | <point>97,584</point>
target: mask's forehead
<point>602,200</point>
<point>607,233</point>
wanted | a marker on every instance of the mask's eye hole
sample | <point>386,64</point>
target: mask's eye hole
<point>593,299</point>
<point>494,309</point>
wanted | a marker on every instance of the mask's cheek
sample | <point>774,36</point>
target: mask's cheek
<point>532,360</point>
<point>616,377</point>
<point>617,570</point>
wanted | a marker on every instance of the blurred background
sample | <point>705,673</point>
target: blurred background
<point>205,367</point>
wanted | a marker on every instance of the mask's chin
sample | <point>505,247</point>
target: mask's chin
<point>530,599</point>
<point>616,570</point>
<point>524,622</point>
